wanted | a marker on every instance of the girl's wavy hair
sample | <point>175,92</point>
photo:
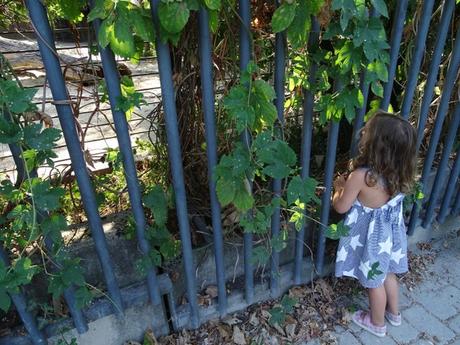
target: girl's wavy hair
<point>388,149</point>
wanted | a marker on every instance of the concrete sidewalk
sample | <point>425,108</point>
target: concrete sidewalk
<point>431,311</point>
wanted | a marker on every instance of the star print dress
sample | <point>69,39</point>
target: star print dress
<point>376,243</point>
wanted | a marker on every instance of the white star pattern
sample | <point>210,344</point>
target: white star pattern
<point>371,228</point>
<point>364,267</point>
<point>341,254</point>
<point>397,256</point>
<point>385,247</point>
<point>350,273</point>
<point>352,217</point>
<point>355,242</point>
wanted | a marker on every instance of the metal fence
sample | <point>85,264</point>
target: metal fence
<point>446,178</point>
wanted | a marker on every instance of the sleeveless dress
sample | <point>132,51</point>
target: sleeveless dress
<point>376,243</point>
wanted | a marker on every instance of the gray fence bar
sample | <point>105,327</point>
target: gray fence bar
<point>175,158</point>
<point>433,70</point>
<point>280,57</point>
<point>19,302</point>
<point>245,56</point>
<point>332,138</point>
<point>456,207</point>
<point>112,80</point>
<point>448,87</point>
<point>417,56</point>
<point>450,189</point>
<point>442,170</point>
<point>396,34</point>
<point>207,88</point>
<point>45,39</point>
<point>307,131</point>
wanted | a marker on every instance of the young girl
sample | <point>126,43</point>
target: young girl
<point>376,246</point>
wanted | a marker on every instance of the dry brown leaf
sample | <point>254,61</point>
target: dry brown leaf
<point>211,291</point>
<point>231,320</point>
<point>253,320</point>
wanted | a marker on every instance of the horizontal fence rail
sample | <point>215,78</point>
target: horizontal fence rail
<point>281,276</point>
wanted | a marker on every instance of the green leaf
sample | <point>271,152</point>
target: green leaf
<point>53,226</point>
<point>170,249</point>
<point>377,88</point>
<point>105,32</point>
<point>16,99</point>
<point>101,10</point>
<point>260,255</point>
<point>277,316</point>
<point>335,231</point>
<point>214,21</point>
<point>41,140</point>
<point>155,199</point>
<point>122,39</point>
<point>82,296</point>
<point>299,29</point>
<point>243,199</point>
<point>288,303</point>
<point>278,159</point>
<point>381,7</point>
<point>46,198</point>
<point>71,10</point>
<point>72,273</point>
<point>283,16</point>
<point>212,4</point>
<point>5,301</point>
<point>304,191</point>
<point>10,133</point>
<point>193,5</point>
<point>173,16</point>
<point>143,25</point>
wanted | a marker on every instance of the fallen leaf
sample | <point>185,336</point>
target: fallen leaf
<point>238,336</point>
<point>211,291</point>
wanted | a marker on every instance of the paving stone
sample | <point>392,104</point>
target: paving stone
<point>370,339</point>
<point>455,324</point>
<point>402,334</point>
<point>422,321</point>
<point>441,303</point>
<point>457,342</point>
<point>348,339</point>
<point>404,300</point>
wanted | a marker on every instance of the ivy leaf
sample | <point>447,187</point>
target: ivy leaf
<point>236,103</point>
<point>5,301</point>
<point>122,39</point>
<point>72,272</point>
<point>46,198</point>
<point>193,5</point>
<point>143,25</point>
<point>155,199</point>
<point>170,248</point>
<point>335,231</point>
<point>348,58</point>
<point>374,271</point>
<point>16,99</point>
<point>214,21</point>
<point>349,100</point>
<point>82,296</point>
<point>101,10</point>
<point>297,32</point>
<point>304,191</point>
<point>298,215</point>
<point>377,88</point>
<point>288,303</point>
<point>381,7</point>
<point>10,132</point>
<point>52,227</point>
<point>173,16</point>
<point>278,158</point>
<point>283,16</point>
<point>105,32</point>
<point>243,199</point>
<point>277,316</point>
<point>39,139</point>
<point>71,10</point>
<point>260,255</point>
<point>212,4</point>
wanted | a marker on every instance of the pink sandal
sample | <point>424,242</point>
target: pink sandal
<point>363,320</point>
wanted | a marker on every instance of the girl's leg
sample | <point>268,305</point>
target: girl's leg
<point>377,304</point>
<point>391,286</point>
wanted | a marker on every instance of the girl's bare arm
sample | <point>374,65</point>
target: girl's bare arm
<point>346,191</point>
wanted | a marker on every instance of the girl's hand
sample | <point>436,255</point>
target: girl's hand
<point>339,182</point>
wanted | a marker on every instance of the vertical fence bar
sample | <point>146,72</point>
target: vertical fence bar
<point>19,302</point>
<point>175,157</point>
<point>50,59</point>
<point>440,115</point>
<point>441,36</point>
<point>442,167</point>
<point>359,118</point>
<point>417,57</point>
<point>307,130</point>
<point>207,88</point>
<point>112,80</point>
<point>396,34</point>
<point>280,57</point>
<point>332,139</point>
<point>456,207</point>
<point>245,56</point>
<point>450,189</point>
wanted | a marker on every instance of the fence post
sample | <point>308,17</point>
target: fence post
<point>307,131</point>
<point>396,34</point>
<point>326,197</point>
<point>19,301</point>
<point>207,88</point>
<point>440,115</point>
<point>50,59</point>
<point>417,57</point>
<point>280,57</point>
<point>245,56</point>
<point>441,36</point>
<point>112,79</point>
<point>442,167</point>
<point>175,157</point>
<point>450,189</point>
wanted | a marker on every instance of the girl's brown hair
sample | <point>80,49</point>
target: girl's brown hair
<point>387,149</point>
